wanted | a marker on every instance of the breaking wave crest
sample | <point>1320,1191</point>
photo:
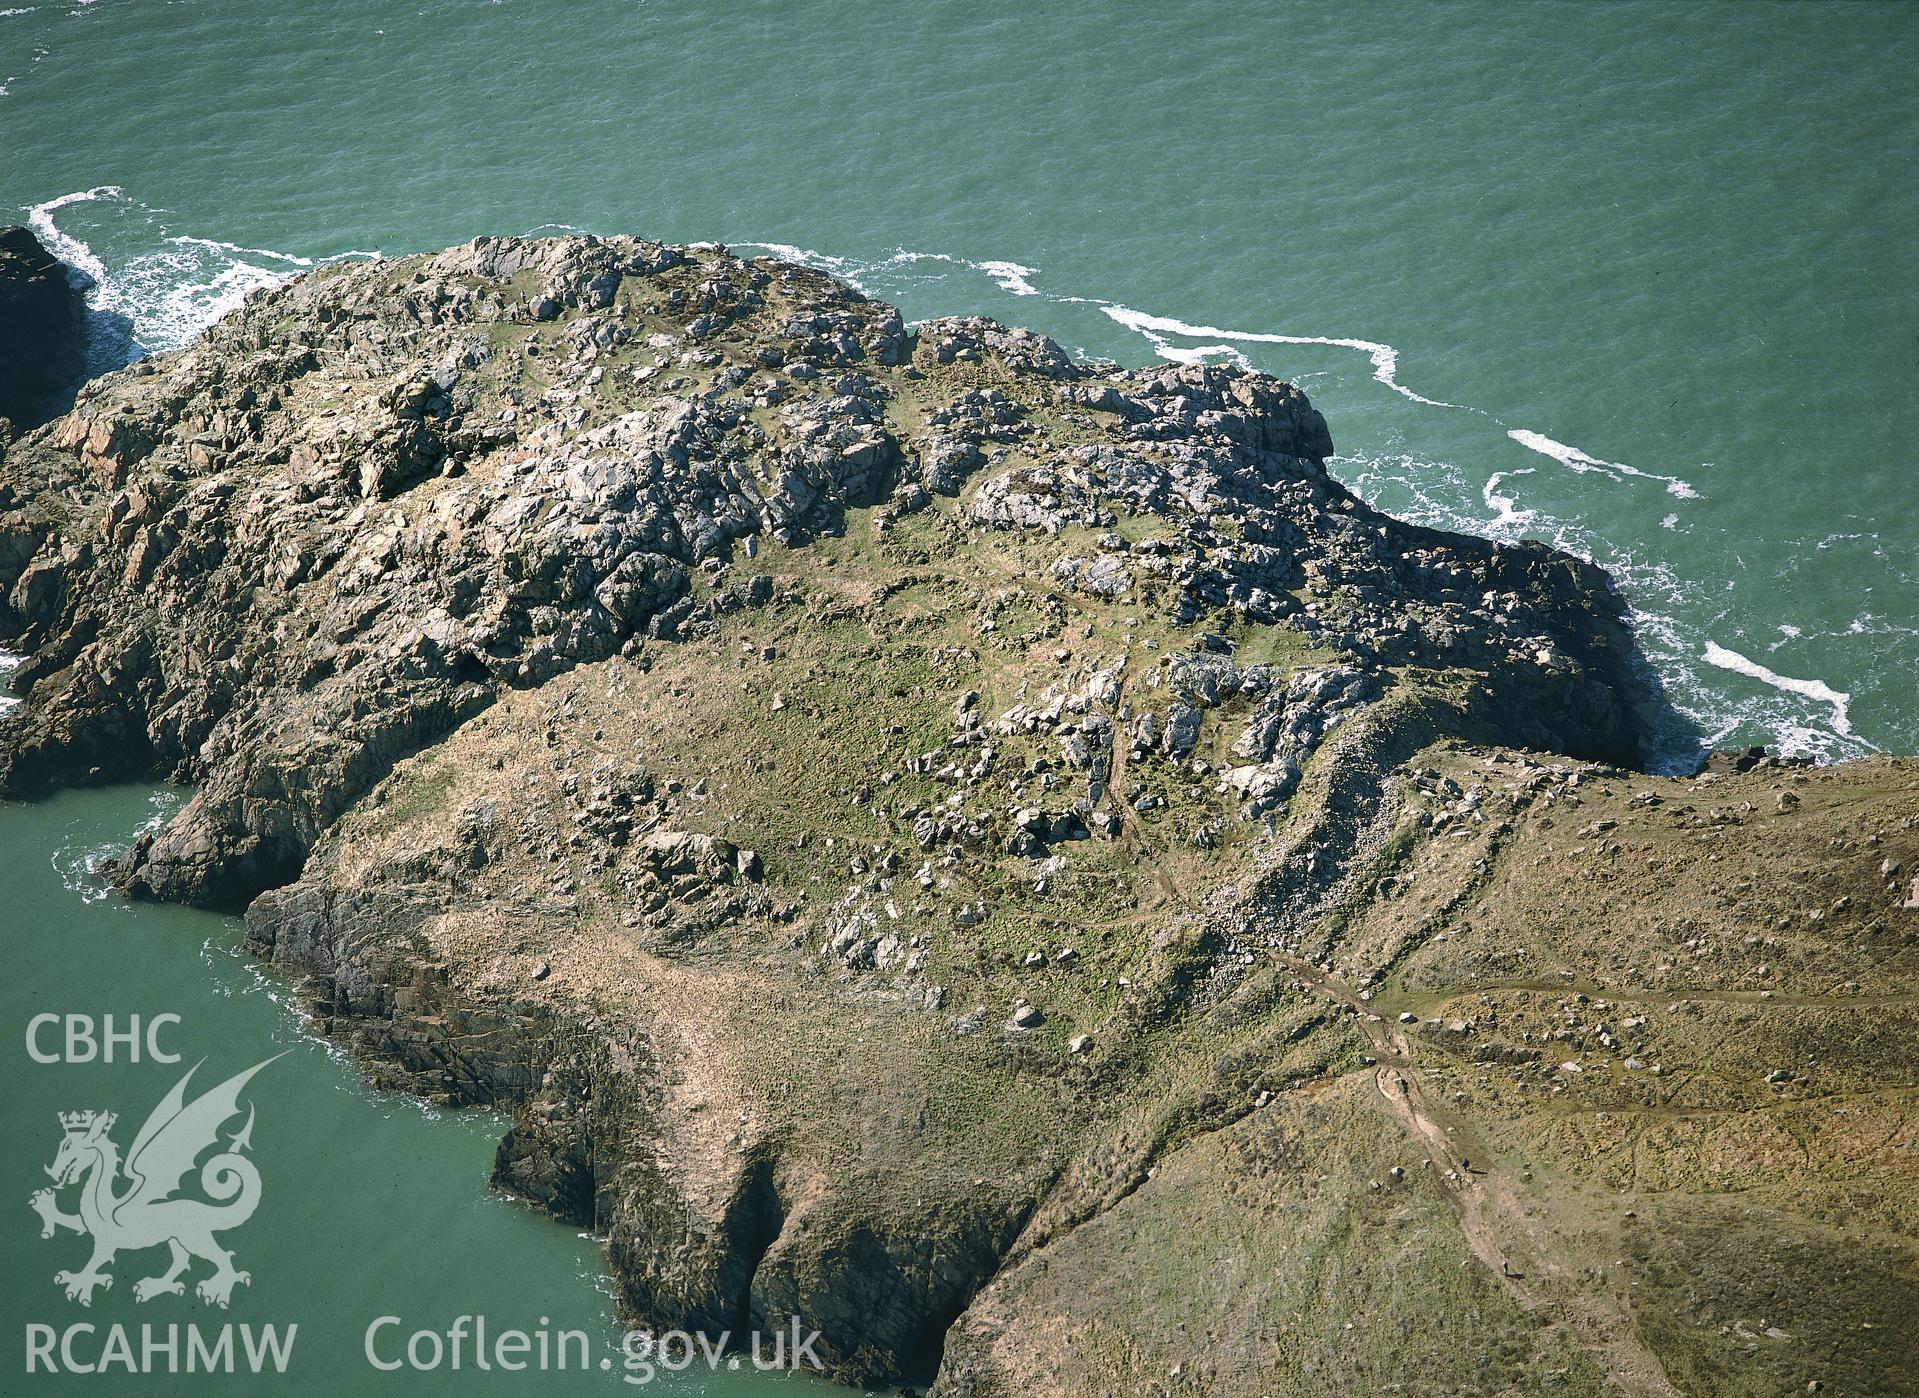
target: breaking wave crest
<point>1573,459</point>
<point>160,297</point>
<point>1816,690</point>
<point>8,663</point>
<point>1011,277</point>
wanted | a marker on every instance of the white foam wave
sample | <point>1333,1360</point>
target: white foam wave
<point>8,664</point>
<point>1505,514</point>
<point>1008,276</point>
<point>1660,603</point>
<point>164,804</point>
<point>1196,354</point>
<point>1384,357</point>
<point>216,245</point>
<point>1871,624</point>
<point>1576,460</point>
<point>172,298</point>
<point>167,294</point>
<point>1011,276</point>
<point>1817,690</point>
<point>22,10</point>
<point>82,870</point>
<point>807,257</point>
<point>71,251</point>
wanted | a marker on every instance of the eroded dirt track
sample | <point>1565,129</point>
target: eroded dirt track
<point>1506,1225</point>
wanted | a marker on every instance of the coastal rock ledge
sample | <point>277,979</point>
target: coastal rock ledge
<point>1002,858</point>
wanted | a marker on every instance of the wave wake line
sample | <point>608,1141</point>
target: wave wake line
<point>1818,690</point>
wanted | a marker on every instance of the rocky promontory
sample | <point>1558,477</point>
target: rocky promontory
<point>43,343</point>
<point>1004,858</point>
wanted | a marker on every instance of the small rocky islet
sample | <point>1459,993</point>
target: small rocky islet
<point>1003,858</point>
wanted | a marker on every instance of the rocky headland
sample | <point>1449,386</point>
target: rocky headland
<point>1001,857</point>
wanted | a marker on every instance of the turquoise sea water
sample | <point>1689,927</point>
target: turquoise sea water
<point>369,1205</point>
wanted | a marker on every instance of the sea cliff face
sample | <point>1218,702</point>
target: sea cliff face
<point>1002,858</point>
<point>43,349</point>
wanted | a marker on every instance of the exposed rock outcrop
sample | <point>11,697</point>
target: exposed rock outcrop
<point>43,347</point>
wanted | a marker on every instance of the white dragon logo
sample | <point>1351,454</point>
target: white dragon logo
<point>143,1215</point>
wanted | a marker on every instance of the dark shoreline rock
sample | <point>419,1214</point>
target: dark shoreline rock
<point>43,348</point>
